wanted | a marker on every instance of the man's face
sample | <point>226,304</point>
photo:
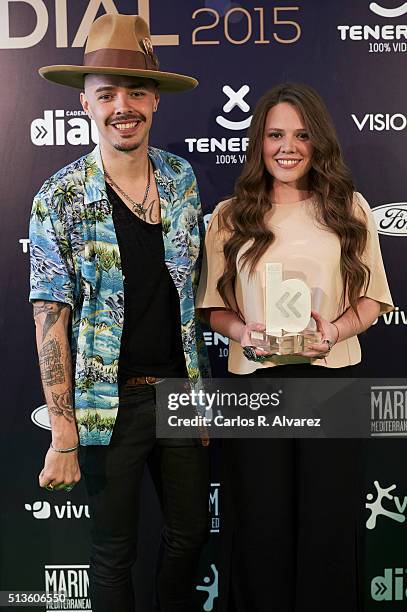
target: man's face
<point>122,108</point>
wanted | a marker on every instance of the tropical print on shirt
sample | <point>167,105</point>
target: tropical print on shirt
<point>75,259</point>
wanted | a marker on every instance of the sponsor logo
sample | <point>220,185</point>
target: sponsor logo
<point>236,98</point>
<point>214,339</point>
<point>43,510</point>
<point>379,38</point>
<point>40,417</point>
<point>217,340</point>
<point>386,12</point>
<point>40,509</point>
<point>24,244</point>
<point>388,411</point>
<point>380,122</point>
<point>391,586</point>
<point>376,507</point>
<point>73,581</point>
<point>214,507</point>
<point>210,587</point>
<point>59,127</point>
<point>42,23</point>
<point>395,317</point>
<point>391,219</point>
<point>227,150</point>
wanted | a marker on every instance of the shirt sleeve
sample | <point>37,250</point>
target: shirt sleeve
<point>213,265</point>
<point>198,236</point>
<point>51,268</point>
<point>378,288</point>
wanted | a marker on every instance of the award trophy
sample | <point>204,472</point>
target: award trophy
<point>288,315</point>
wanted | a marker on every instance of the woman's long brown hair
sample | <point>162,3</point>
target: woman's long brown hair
<point>329,179</point>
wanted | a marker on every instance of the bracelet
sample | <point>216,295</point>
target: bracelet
<point>64,450</point>
<point>337,329</point>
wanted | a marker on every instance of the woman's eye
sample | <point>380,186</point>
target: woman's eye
<point>303,136</point>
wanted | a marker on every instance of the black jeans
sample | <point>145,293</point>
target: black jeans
<point>113,474</point>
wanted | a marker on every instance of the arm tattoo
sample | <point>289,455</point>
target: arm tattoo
<point>53,312</point>
<point>62,405</point>
<point>51,366</point>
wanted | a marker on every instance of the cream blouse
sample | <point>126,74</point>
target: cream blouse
<point>307,251</point>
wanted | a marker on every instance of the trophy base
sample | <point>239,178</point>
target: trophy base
<point>288,344</point>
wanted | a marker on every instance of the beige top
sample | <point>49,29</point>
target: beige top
<point>307,251</point>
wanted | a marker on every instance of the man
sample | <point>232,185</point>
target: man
<point>115,256</point>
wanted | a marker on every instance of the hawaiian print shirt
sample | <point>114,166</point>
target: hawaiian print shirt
<point>75,259</point>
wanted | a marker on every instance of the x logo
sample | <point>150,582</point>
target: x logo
<point>236,98</point>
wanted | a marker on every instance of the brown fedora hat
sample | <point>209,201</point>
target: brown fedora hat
<point>118,45</point>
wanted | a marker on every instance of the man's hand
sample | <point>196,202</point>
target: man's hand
<point>61,470</point>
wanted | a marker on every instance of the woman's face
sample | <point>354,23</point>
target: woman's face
<point>287,149</point>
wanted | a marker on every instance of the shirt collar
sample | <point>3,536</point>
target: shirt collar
<point>95,186</point>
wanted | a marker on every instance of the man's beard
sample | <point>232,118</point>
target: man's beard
<point>127,148</point>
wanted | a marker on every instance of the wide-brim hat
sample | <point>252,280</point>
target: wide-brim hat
<point>118,45</point>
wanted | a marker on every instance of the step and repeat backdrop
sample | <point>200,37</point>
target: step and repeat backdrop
<point>354,54</point>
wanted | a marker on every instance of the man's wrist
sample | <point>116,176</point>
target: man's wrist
<point>68,449</point>
<point>65,440</point>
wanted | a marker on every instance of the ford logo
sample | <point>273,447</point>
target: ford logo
<point>391,219</point>
<point>40,417</point>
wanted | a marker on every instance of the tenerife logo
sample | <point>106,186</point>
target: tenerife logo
<point>60,127</point>
<point>236,98</point>
<point>43,510</point>
<point>391,586</point>
<point>210,587</point>
<point>388,411</point>
<point>376,508</point>
<point>383,38</point>
<point>391,219</point>
<point>40,417</point>
<point>385,12</point>
<point>228,150</point>
<point>73,581</point>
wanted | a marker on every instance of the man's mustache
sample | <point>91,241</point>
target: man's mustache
<point>124,118</point>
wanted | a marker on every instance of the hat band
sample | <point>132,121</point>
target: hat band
<point>119,58</point>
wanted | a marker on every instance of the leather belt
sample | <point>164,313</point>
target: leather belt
<point>143,380</point>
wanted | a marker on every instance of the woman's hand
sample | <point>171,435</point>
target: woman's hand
<point>330,334</point>
<point>246,340</point>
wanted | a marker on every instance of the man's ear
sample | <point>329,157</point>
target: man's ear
<point>157,101</point>
<point>85,104</point>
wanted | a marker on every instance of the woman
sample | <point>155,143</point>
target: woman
<point>294,504</point>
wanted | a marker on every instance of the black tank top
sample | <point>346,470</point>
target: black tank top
<point>151,341</point>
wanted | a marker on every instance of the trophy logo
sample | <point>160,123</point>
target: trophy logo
<point>288,302</point>
<point>287,315</point>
